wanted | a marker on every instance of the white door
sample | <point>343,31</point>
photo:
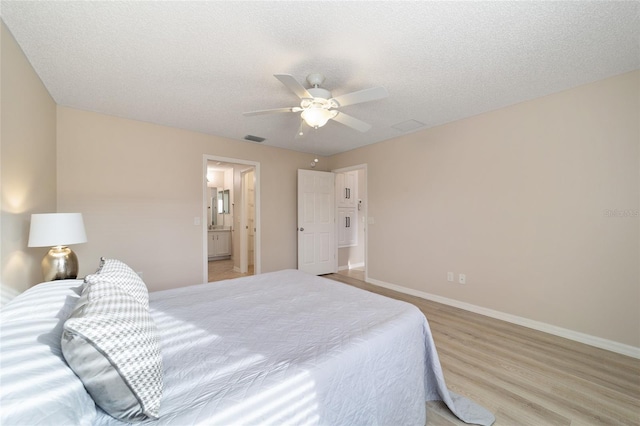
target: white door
<point>316,224</point>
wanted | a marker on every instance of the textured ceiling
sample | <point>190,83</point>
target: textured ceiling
<point>200,65</point>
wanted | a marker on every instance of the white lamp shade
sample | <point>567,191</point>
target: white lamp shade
<point>56,229</point>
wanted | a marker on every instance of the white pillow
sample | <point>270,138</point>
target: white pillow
<point>51,299</point>
<point>112,343</point>
<point>38,387</point>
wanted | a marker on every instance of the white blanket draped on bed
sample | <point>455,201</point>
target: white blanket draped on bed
<point>291,348</point>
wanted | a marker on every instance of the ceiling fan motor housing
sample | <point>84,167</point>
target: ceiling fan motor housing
<point>318,92</point>
<point>315,79</point>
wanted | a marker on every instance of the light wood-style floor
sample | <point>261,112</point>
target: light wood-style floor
<point>525,377</point>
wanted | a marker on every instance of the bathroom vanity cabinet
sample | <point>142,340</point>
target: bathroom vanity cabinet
<point>219,244</point>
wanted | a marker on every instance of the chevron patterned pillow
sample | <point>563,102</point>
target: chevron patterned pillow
<point>111,342</point>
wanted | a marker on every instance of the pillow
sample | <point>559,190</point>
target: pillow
<point>111,342</point>
<point>51,299</point>
<point>121,274</point>
<point>38,387</point>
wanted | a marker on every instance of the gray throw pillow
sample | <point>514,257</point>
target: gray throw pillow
<point>121,274</point>
<point>111,342</point>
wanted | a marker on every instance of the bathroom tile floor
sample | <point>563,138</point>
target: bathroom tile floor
<point>219,270</point>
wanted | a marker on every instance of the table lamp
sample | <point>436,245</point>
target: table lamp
<point>58,230</point>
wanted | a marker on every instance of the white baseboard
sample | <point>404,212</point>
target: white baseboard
<point>351,266</point>
<point>598,342</point>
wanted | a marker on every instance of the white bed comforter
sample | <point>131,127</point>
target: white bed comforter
<point>291,348</point>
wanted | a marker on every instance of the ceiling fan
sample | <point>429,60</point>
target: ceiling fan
<point>317,106</point>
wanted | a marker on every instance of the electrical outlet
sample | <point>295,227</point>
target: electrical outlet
<point>450,277</point>
<point>462,279</point>
<point>196,221</point>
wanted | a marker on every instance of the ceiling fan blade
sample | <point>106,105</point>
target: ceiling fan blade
<point>271,111</point>
<point>352,122</point>
<point>303,130</point>
<point>365,95</point>
<point>293,85</point>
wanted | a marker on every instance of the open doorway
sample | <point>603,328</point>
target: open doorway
<point>351,220</point>
<point>230,251</point>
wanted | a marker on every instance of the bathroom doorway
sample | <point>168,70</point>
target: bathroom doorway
<point>231,233</point>
<point>352,221</point>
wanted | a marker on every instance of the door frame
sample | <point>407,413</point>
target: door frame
<point>244,234</point>
<point>257,245</point>
<point>365,204</point>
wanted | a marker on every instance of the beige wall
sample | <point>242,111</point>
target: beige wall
<point>517,199</point>
<point>28,165</point>
<point>139,187</point>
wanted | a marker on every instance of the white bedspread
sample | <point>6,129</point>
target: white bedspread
<point>290,348</point>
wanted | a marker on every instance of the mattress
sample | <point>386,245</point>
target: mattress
<point>291,348</point>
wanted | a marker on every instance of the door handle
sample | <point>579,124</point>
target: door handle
<point>301,229</point>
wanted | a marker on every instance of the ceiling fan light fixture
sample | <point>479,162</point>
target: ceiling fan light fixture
<point>317,106</point>
<point>317,117</point>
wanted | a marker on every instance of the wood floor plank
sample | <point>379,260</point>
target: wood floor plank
<point>524,376</point>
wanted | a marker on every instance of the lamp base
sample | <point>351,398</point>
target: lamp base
<point>60,263</point>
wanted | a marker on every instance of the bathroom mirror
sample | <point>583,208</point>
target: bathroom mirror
<point>223,202</point>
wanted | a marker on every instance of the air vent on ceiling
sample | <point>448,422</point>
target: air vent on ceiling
<point>253,138</point>
<point>407,126</point>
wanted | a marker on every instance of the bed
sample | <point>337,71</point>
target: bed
<point>277,348</point>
